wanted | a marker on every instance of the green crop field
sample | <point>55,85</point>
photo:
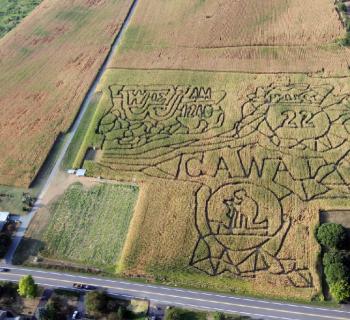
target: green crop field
<point>89,226</point>
<point>12,12</point>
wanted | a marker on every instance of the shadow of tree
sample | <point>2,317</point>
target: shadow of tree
<point>27,248</point>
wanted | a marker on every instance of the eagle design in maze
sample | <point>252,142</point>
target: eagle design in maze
<point>291,140</point>
<point>142,114</point>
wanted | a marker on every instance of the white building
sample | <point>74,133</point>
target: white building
<point>4,218</point>
<point>80,172</point>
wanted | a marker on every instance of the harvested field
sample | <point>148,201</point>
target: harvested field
<point>248,36</point>
<point>47,65</point>
<point>235,168</point>
<point>85,225</point>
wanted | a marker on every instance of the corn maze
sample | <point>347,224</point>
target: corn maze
<point>259,169</point>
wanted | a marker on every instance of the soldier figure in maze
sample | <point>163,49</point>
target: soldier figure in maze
<point>241,229</point>
<point>142,114</point>
<point>241,215</point>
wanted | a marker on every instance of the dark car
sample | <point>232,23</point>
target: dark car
<point>83,286</point>
<point>89,287</point>
<point>4,270</point>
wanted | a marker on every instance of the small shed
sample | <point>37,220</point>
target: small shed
<point>80,173</point>
<point>4,218</point>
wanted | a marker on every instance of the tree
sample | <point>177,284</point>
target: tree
<point>119,315</point>
<point>5,242</point>
<point>28,200</point>
<point>27,287</point>
<point>96,302</point>
<point>331,235</point>
<point>54,310</point>
<point>342,7</point>
<point>336,272</point>
<point>113,316</point>
<point>219,316</point>
<point>173,314</point>
<point>340,290</point>
<point>8,292</point>
<point>333,256</point>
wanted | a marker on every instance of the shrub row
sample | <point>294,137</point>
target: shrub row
<point>335,261</point>
<point>184,314</point>
<point>343,10</point>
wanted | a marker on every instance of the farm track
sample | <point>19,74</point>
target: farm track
<point>69,137</point>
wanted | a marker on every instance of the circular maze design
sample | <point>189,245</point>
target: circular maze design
<point>241,229</point>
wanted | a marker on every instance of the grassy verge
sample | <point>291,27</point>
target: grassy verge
<point>184,314</point>
<point>11,199</point>
<point>87,133</point>
<point>73,149</point>
<point>12,13</point>
<point>235,286</point>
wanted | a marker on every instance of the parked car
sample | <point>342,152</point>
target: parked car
<point>75,315</point>
<point>77,285</point>
<point>4,270</point>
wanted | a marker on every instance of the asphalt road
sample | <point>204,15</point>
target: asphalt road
<point>255,308</point>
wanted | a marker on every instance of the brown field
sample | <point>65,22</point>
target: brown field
<point>47,65</point>
<point>253,36</point>
<point>234,170</point>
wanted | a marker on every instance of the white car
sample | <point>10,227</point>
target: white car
<point>75,315</point>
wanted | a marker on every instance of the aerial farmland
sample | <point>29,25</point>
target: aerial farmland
<point>47,65</point>
<point>202,144</point>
